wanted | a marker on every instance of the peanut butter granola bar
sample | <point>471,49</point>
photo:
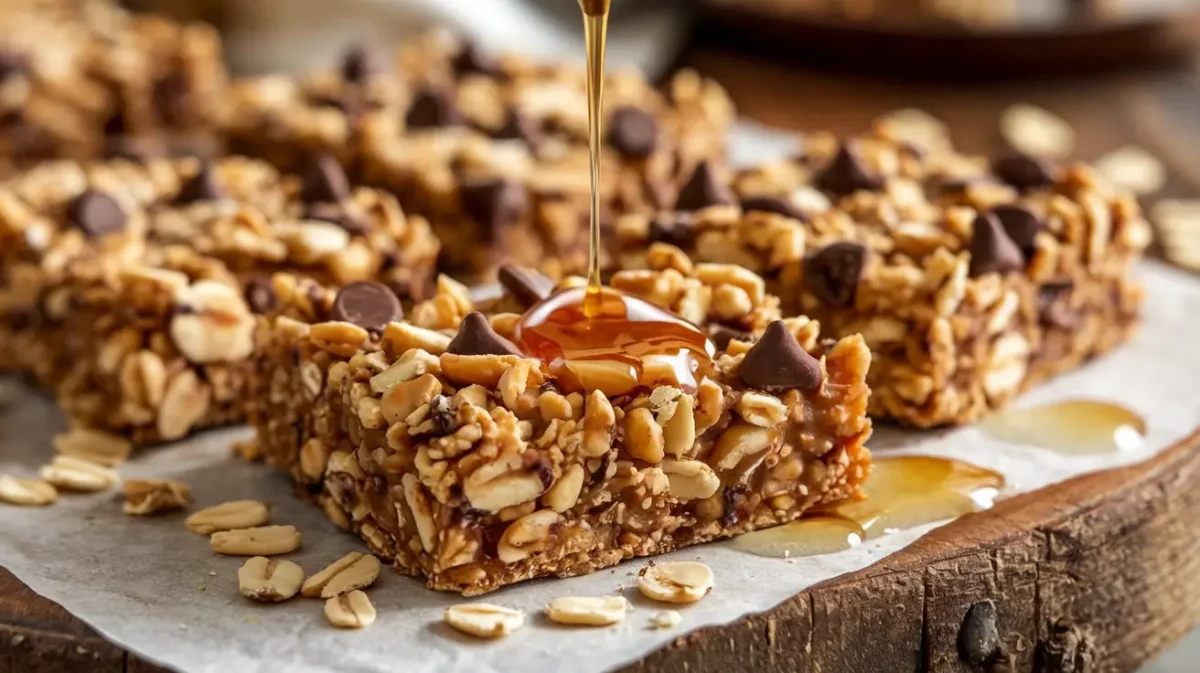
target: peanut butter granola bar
<point>970,280</point>
<point>88,80</point>
<point>460,460</point>
<point>492,150</point>
<point>129,289</point>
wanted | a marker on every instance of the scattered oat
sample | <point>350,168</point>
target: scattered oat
<point>587,610</point>
<point>144,497</point>
<point>677,582</point>
<point>74,474</point>
<point>269,580</point>
<point>484,620</point>
<point>1133,168</point>
<point>350,611</point>
<point>26,492</point>
<point>228,516</point>
<point>94,446</point>
<point>353,571</point>
<point>262,541</point>
<point>1179,228</point>
<point>1037,131</point>
<point>667,619</point>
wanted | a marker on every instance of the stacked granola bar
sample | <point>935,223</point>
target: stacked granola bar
<point>460,460</point>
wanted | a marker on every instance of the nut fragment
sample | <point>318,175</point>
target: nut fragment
<point>1036,131</point>
<point>93,446</point>
<point>484,620</point>
<point>268,580</point>
<point>1133,168</point>
<point>144,497</point>
<point>353,571</point>
<point>643,436</point>
<point>216,325</point>
<point>677,582</point>
<point>565,492</point>
<point>26,492</point>
<point>261,541</point>
<point>667,619</point>
<point>185,402</point>
<point>228,516</point>
<point>526,536</point>
<point>73,474</point>
<point>587,610</point>
<point>690,479</point>
<point>350,611</point>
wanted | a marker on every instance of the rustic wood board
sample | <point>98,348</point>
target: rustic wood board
<point>1096,574</point>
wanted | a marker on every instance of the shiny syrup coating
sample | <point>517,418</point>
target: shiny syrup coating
<point>625,343</point>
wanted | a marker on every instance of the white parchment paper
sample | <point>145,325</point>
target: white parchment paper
<point>156,588</point>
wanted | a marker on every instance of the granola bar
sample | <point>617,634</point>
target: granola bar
<point>121,278</point>
<point>89,80</point>
<point>460,460</point>
<point>970,280</point>
<point>492,150</point>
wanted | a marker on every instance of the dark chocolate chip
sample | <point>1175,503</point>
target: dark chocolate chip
<point>96,214</point>
<point>12,63</point>
<point>368,304</point>
<point>432,109</point>
<point>527,286</point>
<point>1021,224</point>
<point>519,127</point>
<point>1054,305</point>
<point>978,638</point>
<point>677,229</point>
<point>116,125</point>
<point>721,335</point>
<point>773,204</point>
<point>172,98</point>
<point>260,296</point>
<point>493,203</point>
<point>324,181</point>
<point>476,337</point>
<point>848,172</point>
<point>1023,171</point>
<point>361,62</point>
<point>204,186</point>
<point>471,59</point>
<point>832,273</point>
<point>777,363</point>
<point>334,213</point>
<point>731,497</point>
<point>992,251</point>
<point>705,188</point>
<point>633,132</point>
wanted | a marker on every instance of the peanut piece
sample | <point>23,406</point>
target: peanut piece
<point>26,492</point>
<point>690,479</point>
<point>667,619</point>
<point>93,446</point>
<point>261,541</point>
<point>526,536</point>
<point>565,492</point>
<point>676,582</point>
<point>144,497</point>
<point>679,432</point>
<point>483,620</point>
<point>352,571</point>
<point>587,610</point>
<point>269,581</point>
<point>228,516</point>
<point>350,611</point>
<point>73,474</point>
<point>643,436</point>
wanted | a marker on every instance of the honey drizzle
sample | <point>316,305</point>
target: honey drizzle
<point>595,24</point>
<point>1075,427</point>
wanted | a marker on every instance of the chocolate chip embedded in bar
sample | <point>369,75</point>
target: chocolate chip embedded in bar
<point>967,296</point>
<point>472,467</point>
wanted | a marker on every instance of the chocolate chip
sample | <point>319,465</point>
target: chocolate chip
<point>203,186</point>
<point>476,337</point>
<point>432,109</point>
<point>773,204</point>
<point>260,296</point>
<point>526,285</point>
<point>848,172</point>
<point>833,273</point>
<point>1054,305</point>
<point>730,499</point>
<point>1023,171</point>
<point>519,127</point>
<point>992,251</point>
<point>705,188</point>
<point>721,335</point>
<point>368,304</point>
<point>12,63</point>
<point>677,229</point>
<point>1021,224</point>
<point>96,214</point>
<point>334,213</point>
<point>361,62</point>
<point>324,181</point>
<point>441,413</point>
<point>172,98</point>
<point>633,132</point>
<point>777,363</point>
<point>471,59</point>
<point>116,125</point>
<point>493,203</point>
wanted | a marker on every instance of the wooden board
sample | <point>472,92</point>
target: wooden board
<point>1093,575</point>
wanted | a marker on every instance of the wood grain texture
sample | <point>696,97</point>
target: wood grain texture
<point>1094,575</point>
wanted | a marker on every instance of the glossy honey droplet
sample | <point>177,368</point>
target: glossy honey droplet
<point>909,491</point>
<point>626,343</point>
<point>810,536</point>
<point>1076,427</point>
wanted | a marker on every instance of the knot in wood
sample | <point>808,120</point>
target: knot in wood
<point>978,637</point>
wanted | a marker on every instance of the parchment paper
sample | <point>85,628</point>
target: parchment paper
<point>156,588</point>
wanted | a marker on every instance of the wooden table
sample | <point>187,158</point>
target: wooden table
<point>1096,574</point>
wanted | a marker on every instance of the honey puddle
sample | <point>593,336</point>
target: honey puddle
<point>902,492</point>
<point>1077,427</point>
